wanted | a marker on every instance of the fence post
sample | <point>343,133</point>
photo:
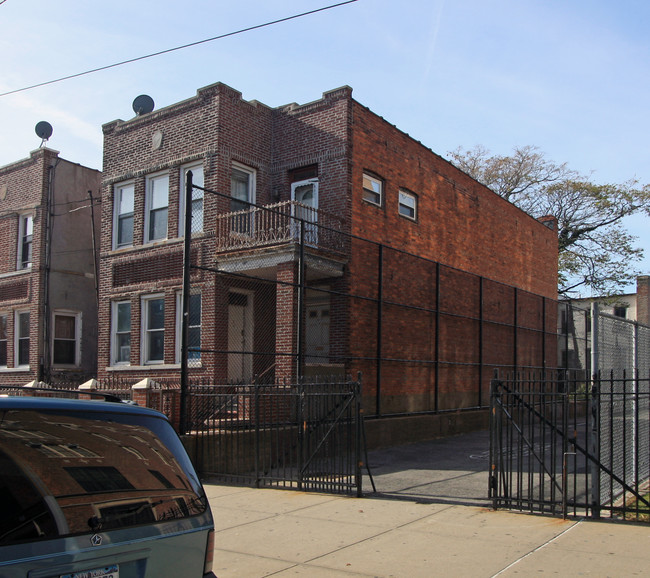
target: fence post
<point>595,410</point>
<point>185,302</point>
<point>140,391</point>
<point>256,390</point>
<point>301,429</point>
<point>88,387</point>
<point>300,317</point>
<point>495,448</point>
<point>359,424</point>
<point>594,443</point>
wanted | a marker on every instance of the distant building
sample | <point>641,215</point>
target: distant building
<point>338,166</point>
<point>632,306</point>
<point>620,316</point>
<point>48,301</point>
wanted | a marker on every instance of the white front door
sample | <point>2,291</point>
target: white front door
<point>240,337</point>
<point>305,196</point>
<point>317,338</point>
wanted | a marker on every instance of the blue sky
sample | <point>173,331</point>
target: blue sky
<point>571,77</point>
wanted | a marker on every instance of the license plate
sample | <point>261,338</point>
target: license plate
<point>112,571</point>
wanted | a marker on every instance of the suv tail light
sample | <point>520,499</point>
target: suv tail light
<point>209,555</point>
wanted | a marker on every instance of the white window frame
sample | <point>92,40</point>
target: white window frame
<point>4,338</point>
<point>371,195</point>
<point>404,208</point>
<point>149,208</point>
<point>24,220</point>
<point>239,226</point>
<point>197,195</point>
<point>115,333</point>
<point>146,331</point>
<point>18,337</point>
<point>118,191</point>
<point>77,336</point>
<point>196,361</point>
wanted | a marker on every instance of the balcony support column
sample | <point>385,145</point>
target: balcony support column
<point>286,324</point>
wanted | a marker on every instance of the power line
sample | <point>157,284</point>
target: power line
<point>221,36</point>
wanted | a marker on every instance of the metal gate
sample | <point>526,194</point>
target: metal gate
<point>305,436</point>
<point>566,445</point>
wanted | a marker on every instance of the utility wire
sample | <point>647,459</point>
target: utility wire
<point>226,35</point>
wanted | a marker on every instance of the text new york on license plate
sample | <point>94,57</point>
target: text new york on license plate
<point>112,571</point>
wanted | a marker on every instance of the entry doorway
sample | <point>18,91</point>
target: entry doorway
<point>317,334</point>
<point>240,336</point>
<point>305,195</point>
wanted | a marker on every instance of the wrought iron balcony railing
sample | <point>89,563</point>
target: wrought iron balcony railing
<point>279,224</point>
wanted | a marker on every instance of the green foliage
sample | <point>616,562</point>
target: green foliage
<point>595,250</point>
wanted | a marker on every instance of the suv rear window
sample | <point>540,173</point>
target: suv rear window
<point>64,473</point>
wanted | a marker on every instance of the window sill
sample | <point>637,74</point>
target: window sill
<point>22,369</point>
<point>15,273</point>
<point>152,367</point>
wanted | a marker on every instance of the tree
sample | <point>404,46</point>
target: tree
<point>595,250</point>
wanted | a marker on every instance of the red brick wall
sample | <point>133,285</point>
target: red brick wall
<point>643,299</point>
<point>26,192</point>
<point>461,223</point>
<point>216,128</point>
<point>474,234</point>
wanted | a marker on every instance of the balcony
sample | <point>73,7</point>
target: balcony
<point>260,238</point>
<point>279,224</point>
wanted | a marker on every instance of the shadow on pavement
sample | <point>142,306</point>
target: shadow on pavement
<point>451,470</point>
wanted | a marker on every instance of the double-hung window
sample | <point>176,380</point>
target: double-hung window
<point>193,330</point>
<point>153,329</point>
<point>25,235</point>
<point>156,208</point>
<point>242,192</point>
<point>408,205</point>
<point>124,205</point>
<point>373,190</point>
<point>3,341</point>
<point>121,338</point>
<point>65,346</point>
<point>197,199</point>
<point>21,333</point>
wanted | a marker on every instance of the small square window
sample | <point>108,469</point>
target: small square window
<point>408,205</point>
<point>373,190</point>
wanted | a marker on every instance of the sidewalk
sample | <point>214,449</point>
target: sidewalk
<point>264,532</point>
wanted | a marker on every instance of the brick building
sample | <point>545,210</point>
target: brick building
<point>356,183</point>
<point>48,297</point>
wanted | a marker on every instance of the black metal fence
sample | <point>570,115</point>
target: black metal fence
<point>562,443</point>
<point>305,436</point>
<point>290,293</point>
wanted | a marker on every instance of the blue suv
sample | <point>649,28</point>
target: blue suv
<point>98,489</point>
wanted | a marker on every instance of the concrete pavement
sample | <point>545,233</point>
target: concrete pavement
<point>430,517</point>
<point>264,532</point>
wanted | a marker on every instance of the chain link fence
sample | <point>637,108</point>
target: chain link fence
<point>286,293</point>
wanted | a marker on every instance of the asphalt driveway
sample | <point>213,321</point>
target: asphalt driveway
<point>451,470</point>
